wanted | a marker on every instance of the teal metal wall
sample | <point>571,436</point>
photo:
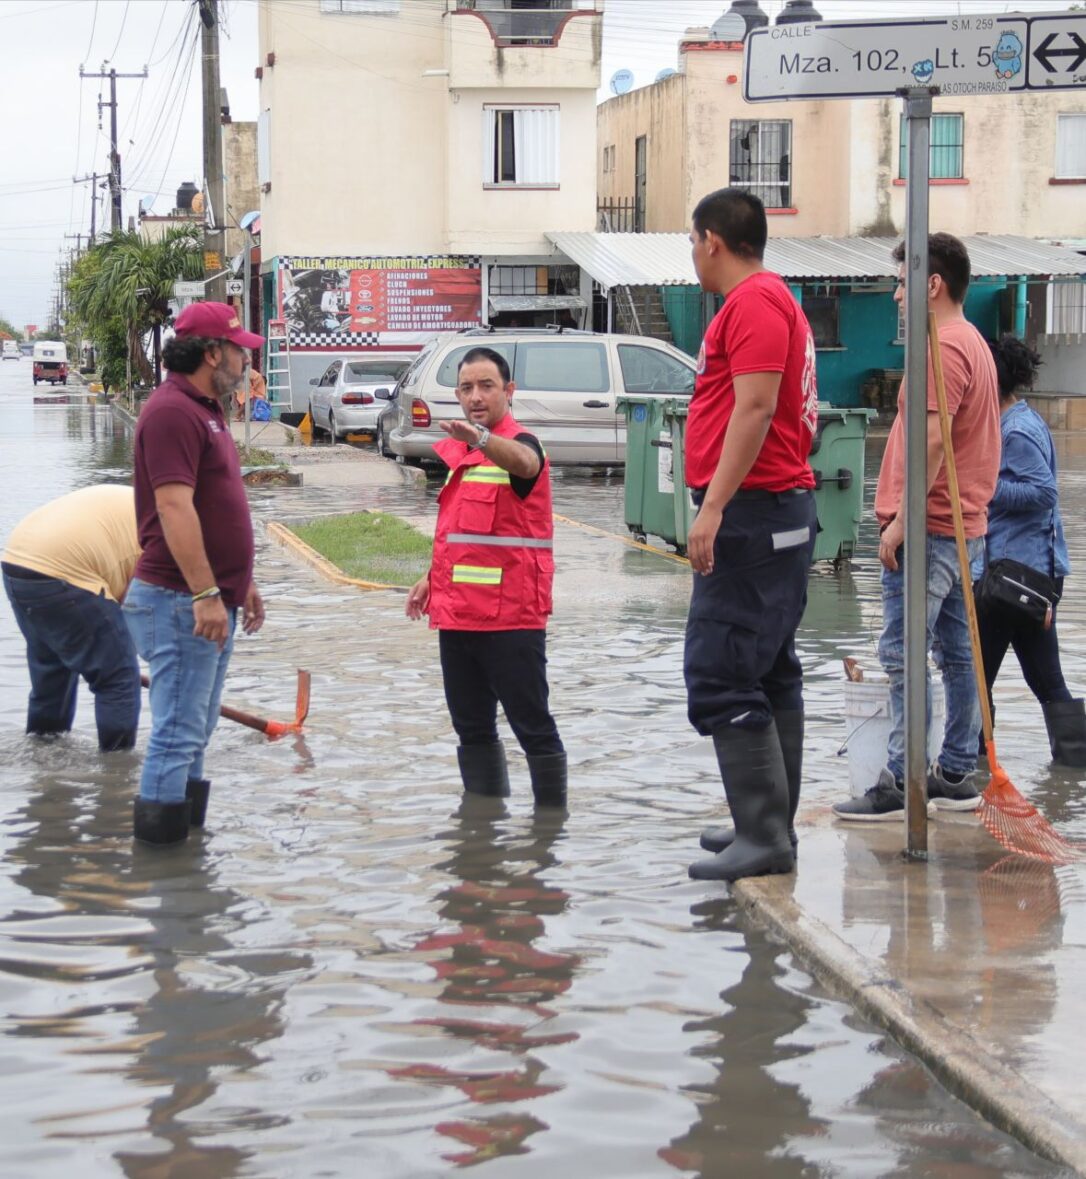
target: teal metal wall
<point>867,327</point>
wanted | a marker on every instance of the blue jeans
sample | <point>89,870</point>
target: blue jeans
<point>947,642</point>
<point>70,633</point>
<point>187,674</point>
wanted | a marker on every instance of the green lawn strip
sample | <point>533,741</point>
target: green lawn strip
<point>372,546</point>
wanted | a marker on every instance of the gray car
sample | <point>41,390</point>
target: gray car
<point>350,394</point>
<point>566,386</point>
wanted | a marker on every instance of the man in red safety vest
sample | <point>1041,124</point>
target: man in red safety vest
<point>488,591</point>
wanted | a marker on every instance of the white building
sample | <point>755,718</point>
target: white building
<point>413,153</point>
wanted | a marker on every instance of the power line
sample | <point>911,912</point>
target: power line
<point>124,19</point>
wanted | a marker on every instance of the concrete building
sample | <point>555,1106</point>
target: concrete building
<point>412,155</point>
<point>1007,165</point>
<point>832,176</point>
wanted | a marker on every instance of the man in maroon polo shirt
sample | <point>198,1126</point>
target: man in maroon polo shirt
<point>196,570</point>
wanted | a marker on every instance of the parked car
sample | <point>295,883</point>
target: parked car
<point>566,385</point>
<point>50,362</point>
<point>11,350</point>
<point>350,393</point>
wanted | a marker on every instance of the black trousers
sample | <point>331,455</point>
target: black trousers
<point>740,662</point>
<point>483,669</point>
<point>1038,651</point>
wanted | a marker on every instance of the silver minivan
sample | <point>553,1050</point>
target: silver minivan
<point>566,386</point>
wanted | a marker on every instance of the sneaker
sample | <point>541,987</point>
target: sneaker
<point>883,803</point>
<point>951,796</point>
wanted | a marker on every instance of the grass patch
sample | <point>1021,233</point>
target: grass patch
<point>253,456</point>
<point>372,546</point>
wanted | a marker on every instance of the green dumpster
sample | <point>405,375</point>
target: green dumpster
<point>658,501</point>
<point>650,488</point>
<point>837,459</point>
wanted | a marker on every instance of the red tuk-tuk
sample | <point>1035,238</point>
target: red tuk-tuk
<point>50,362</point>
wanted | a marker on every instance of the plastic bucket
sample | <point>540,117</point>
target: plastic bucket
<point>867,725</point>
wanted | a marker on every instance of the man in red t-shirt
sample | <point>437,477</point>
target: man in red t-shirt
<point>749,430</point>
<point>196,570</point>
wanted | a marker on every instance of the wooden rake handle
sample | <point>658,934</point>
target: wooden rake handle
<point>959,536</point>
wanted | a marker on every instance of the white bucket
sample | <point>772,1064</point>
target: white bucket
<point>867,725</point>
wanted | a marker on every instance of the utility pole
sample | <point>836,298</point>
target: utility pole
<point>214,180</point>
<point>92,179</point>
<point>115,221</point>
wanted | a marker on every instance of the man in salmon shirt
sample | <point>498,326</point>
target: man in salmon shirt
<point>749,430</point>
<point>973,400</point>
<point>488,591</point>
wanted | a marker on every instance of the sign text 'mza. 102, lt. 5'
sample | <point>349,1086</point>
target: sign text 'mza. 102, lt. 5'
<point>997,54</point>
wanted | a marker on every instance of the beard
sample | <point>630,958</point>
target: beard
<point>225,385</point>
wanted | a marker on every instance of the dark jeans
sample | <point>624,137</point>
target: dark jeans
<point>740,662</point>
<point>70,633</point>
<point>1038,651</point>
<point>483,669</point>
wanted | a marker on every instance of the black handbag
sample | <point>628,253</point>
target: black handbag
<point>1008,585</point>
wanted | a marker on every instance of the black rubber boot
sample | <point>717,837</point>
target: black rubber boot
<point>1066,724</point>
<point>752,768</point>
<point>483,770</point>
<point>161,823</point>
<point>197,791</point>
<point>548,771</point>
<point>790,729</point>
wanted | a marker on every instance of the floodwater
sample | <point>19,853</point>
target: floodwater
<point>353,974</point>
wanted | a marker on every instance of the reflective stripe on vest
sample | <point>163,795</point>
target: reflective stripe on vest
<point>482,474</point>
<point>476,575</point>
<point>504,542</point>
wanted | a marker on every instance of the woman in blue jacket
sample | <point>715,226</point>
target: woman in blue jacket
<point>1024,524</point>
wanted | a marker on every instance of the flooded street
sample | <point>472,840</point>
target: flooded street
<point>354,974</point>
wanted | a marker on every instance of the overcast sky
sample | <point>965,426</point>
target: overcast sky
<point>53,131</point>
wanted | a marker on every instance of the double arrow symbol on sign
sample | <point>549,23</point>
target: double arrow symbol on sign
<point>1044,54</point>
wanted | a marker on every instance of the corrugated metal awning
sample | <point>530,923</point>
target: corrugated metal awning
<point>663,259</point>
<point>536,302</point>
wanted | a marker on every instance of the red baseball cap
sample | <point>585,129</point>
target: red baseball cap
<point>215,321</point>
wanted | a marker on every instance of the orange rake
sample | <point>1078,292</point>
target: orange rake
<point>271,729</point>
<point>1007,815</point>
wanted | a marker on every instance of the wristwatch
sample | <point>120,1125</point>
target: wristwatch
<point>482,440</point>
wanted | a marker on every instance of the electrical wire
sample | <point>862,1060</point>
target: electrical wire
<point>183,73</point>
<point>167,96</point>
<point>124,21</point>
<point>94,24</point>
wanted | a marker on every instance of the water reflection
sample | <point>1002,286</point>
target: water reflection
<point>747,1116</point>
<point>494,977</point>
<point>135,973</point>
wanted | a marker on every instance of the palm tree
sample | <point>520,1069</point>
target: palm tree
<point>126,279</point>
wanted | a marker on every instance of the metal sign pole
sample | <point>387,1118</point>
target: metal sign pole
<point>246,322</point>
<point>917,111</point>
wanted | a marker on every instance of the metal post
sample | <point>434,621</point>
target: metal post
<point>918,121</point>
<point>247,322</point>
<point>116,216</point>
<point>214,236</point>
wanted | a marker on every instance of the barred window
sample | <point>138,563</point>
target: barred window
<point>945,152</point>
<point>761,160</point>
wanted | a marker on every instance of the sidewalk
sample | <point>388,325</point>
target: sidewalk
<point>325,465</point>
<point>971,961</point>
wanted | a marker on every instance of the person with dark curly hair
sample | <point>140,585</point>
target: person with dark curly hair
<point>195,575</point>
<point>1024,524</point>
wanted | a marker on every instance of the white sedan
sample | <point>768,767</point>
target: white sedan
<point>350,394</point>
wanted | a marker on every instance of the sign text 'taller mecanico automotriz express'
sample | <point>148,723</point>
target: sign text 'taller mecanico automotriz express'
<point>381,294</point>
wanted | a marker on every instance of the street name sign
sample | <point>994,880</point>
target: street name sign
<point>998,54</point>
<point>188,290</point>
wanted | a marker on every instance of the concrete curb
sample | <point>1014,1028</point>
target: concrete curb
<point>412,476</point>
<point>322,565</point>
<point>998,1093</point>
